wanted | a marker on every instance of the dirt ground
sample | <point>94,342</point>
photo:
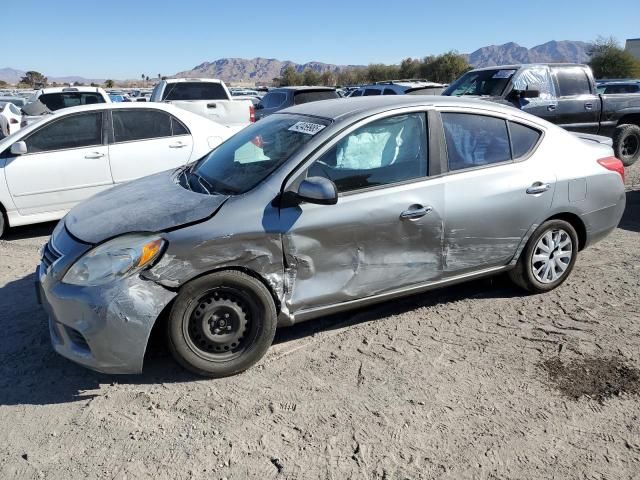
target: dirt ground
<point>465,382</point>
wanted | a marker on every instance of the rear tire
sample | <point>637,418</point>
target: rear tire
<point>3,223</point>
<point>221,324</point>
<point>548,258</point>
<point>626,143</point>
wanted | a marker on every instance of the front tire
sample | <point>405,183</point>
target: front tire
<point>626,143</point>
<point>221,324</point>
<point>548,257</point>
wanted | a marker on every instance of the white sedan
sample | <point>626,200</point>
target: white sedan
<point>10,117</point>
<point>48,167</point>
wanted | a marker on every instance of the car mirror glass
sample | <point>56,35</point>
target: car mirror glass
<point>318,190</point>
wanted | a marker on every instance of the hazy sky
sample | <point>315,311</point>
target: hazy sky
<point>123,39</point>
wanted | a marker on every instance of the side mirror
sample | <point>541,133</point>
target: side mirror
<point>530,93</point>
<point>318,190</point>
<point>19,148</point>
<point>259,106</point>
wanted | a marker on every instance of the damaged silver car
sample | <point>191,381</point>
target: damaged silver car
<point>318,209</point>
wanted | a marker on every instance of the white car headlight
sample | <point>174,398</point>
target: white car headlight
<point>118,258</point>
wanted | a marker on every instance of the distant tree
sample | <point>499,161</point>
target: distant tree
<point>159,76</point>
<point>290,77</point>
<point>33,79</point>
<point>609,60</point>
<point>310,77</point>
<point>3,83</point>
<point>108,83</point>
<point>146,79</point>
<point>328,79</point>
<point>143,77</point>
<point>409,68</point>
<point>163,78</point>
<point>93,84</point>
<point>444,68</point>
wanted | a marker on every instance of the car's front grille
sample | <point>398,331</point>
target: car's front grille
<point>49,254</point>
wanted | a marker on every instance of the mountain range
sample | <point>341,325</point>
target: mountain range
<point>263,70</point>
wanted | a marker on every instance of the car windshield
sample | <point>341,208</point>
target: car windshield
<point>481,83</point>
<point>250,156</point>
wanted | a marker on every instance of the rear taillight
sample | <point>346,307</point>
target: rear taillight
<point>252,114</point>
<point>613,164</point>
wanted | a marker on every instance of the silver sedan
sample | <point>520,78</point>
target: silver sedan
<point>318,209</point>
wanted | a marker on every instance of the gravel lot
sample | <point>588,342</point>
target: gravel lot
<point>457,383</point>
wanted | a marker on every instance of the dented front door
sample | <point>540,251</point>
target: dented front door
<point>370,242</point>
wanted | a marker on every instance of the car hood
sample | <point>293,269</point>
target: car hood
<point>149,204</point>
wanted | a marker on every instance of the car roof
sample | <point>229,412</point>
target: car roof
<point>115,106</point>
<point>521,65</point>
<point>179,80</point>
<point>342,108</point>
<point>68,89</point>
<point>301,88</point>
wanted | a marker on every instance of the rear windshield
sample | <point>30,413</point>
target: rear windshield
<point>252,154</point>
<point>314,96</point>
<point>56,101</point>
<point>195,91</point>
<point>481,83</point>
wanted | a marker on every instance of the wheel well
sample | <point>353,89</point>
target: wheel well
<point>577,224</point>
<point>633,118</point>
<point>246,271</point>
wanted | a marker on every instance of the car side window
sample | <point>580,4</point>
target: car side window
<point>388,91</point>
<point>74,131</point>
<point>572,81</point>
<point>475,140</point>
<point>523,139</point>
<point>371,91</point>
<point>140,124</point>
<point>178,128</point>
<point>274,99</point>
<point>356,93</point>
<point>384,152</point>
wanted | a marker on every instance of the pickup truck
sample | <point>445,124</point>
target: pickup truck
<point>561,93</point>
<point>48,100</point>
<point>207,97</point>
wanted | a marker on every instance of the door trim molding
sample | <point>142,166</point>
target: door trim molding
<point>314,312</point>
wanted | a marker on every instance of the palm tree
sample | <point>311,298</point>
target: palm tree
<point>143,77</point>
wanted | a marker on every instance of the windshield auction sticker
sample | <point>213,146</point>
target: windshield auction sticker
<point>306,127</point>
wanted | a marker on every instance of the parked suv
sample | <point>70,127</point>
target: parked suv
<point>399,87</point>
<point>279,98</point>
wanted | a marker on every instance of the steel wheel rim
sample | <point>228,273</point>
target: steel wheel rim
<point>219,324</point>
<point>552,256</point>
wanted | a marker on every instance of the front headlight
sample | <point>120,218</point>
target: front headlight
<point>118,258</point>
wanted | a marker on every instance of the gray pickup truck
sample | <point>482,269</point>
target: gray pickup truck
<point>561,93</point>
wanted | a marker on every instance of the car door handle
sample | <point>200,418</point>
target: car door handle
<point>551,108</point>
<point>538,187</point>
<point>588,106</point>
<point>178,145</point>
<point>414,213</point>
<point>94,155</point>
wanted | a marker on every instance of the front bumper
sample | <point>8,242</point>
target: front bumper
<point>103,328</point>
